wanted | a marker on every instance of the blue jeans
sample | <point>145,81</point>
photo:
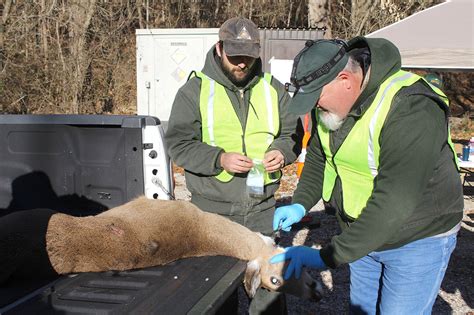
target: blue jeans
<point>404,280</point>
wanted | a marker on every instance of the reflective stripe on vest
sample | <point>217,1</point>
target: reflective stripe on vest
<point>357,160</point>
<point>262,125</point>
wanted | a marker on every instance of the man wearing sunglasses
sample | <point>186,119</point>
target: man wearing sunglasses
<point>224,121</point>
<point>382,160</point>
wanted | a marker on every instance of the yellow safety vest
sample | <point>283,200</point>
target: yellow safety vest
<point>221,126</point>
<point>357,160</point>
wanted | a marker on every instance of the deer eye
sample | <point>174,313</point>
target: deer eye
<point>275,281</point>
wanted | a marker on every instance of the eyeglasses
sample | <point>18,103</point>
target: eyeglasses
<point>295,84</point>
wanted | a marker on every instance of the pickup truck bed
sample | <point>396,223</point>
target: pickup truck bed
<point>82,165</point>
<point>188,286</point>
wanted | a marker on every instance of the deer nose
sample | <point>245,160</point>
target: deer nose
<point>316,291</point>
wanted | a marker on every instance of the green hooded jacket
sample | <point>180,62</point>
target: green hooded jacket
<point>202,161</point>
<point>417,192</point>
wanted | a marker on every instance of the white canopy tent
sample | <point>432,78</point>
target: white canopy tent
<point>439,38</point>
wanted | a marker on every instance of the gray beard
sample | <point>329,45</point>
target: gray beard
<point>330,120</point>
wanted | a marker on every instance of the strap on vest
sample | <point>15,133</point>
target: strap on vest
<point>192,74</point>
<point>375,117</point>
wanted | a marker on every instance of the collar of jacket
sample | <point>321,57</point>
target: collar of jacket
<point>385,60</point>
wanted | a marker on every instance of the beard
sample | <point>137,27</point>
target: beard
<point>330,120</point>
<point>239,81</point>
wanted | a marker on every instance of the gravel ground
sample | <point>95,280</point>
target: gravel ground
<point>455,297</point>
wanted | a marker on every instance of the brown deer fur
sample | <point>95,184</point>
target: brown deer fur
<point>144,233</point>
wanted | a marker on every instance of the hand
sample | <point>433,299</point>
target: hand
<point>273,161</point>
<point>299,256</point>
<point>288,215</point>
<point>235,162</point>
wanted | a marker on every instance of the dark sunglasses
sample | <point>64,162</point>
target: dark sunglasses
<point>324,69</point>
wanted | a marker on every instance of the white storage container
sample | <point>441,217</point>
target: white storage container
<point>165,57</point>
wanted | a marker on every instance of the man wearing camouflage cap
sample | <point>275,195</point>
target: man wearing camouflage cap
<point>382,160</point>
<point>227,119</point>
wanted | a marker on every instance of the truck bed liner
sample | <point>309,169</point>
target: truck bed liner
<point>194,285</point>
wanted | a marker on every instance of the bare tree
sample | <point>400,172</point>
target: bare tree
<point>360,12</point>
<point>360,17</point>
<point>81,13</point>
<point>78,56</point>
<point>318,15</point>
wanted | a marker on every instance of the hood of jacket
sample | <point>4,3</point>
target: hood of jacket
<point>385,61</point>
<point>212,69</point>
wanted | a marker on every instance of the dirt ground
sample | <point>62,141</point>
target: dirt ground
<point>455,297</point>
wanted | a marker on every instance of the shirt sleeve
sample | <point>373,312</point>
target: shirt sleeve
<point>288,140</point>
<point>184,136</point>
<point>309,189</point>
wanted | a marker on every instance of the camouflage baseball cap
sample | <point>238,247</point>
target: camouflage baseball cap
<point>241,37</point>
<point>316,65</point>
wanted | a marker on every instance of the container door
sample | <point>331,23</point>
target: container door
<point>175,59</point>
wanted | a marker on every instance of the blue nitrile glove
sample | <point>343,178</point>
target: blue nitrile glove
<point>300,256</point>
<point>286,216</point>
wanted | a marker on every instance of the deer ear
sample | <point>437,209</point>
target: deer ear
<point>252,279</point>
